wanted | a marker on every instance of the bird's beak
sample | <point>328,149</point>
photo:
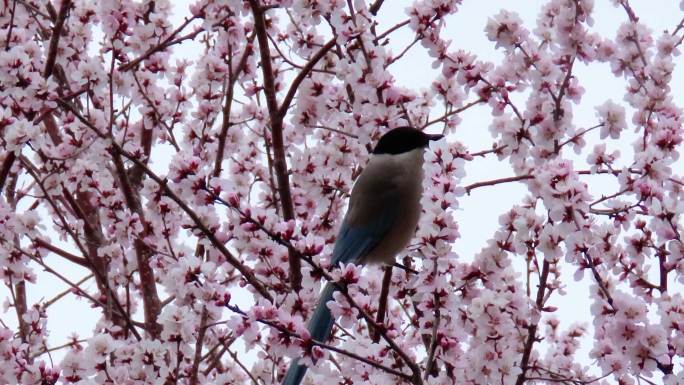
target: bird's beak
<point>435,137</point>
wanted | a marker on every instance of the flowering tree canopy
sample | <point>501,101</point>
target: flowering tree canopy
<point>193,203</point>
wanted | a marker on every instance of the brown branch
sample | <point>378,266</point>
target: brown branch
<point>302,75</point>
<point>34,10</point>
<point>382,305</point>
<point>519,178</point>
<point>100,275</point>
<point>21,307</point>
<point>335,130</point>
<point>17,290</point>
<point>130,184</point>
<point>276,118</point>
<point>54,39</point>
<point>558,110</point>
<point>664,271</point>
<point>430,364</point>
<point>148,286</point>
<point>483,153</point>
<point>158,116</point>
<point>401,54</point>
<point>41,243</point>
<point>198,345</point>
<point>247,273</point>
<point>390,30</point>
<point>82,209</point>
<point>608,197</point>
<point>493,182</point>
<point>8,38</point>
<point>242,366</point>
<point>599,281</point>
<point>216,357</point>
<point>226,124</point>
<point>532,329</point>
<point>6,167</point>
<point>45,349</point>
<point>375,7</point>
<point>579,134</point>
<point>678,28</point>
<point>634,19</point>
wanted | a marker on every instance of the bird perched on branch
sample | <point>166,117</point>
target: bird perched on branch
<point>382,216</point>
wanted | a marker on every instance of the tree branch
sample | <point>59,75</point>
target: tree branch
<point>276,118</point>
<point>54,39</point>
<point>382,305</point>
<point>226,123</point>
<point>285,105</point>
<point>532,329</point>
<point>39,242</point>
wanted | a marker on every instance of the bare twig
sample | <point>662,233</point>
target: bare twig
<point>45,349</point>
<point>54,39</point>
<point>493,182</point>
<point>59,296</point>
<point>450,113</point>
<point>375,7</point>
<point>599,281</point>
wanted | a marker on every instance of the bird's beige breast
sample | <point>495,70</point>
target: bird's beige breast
<point>397,182</point>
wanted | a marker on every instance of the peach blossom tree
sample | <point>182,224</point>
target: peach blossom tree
<point>194,175</point>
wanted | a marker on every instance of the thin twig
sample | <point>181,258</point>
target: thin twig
<point>599,280</point>
<point>450,113</point>
<point>59,296</point>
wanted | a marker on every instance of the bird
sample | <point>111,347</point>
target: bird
<point>382,216</point>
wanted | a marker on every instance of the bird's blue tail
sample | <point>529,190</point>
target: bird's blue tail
<point>320,326</point>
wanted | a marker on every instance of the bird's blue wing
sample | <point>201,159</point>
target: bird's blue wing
<point>355,241</point>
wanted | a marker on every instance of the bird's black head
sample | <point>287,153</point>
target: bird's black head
<point>403,139</point>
